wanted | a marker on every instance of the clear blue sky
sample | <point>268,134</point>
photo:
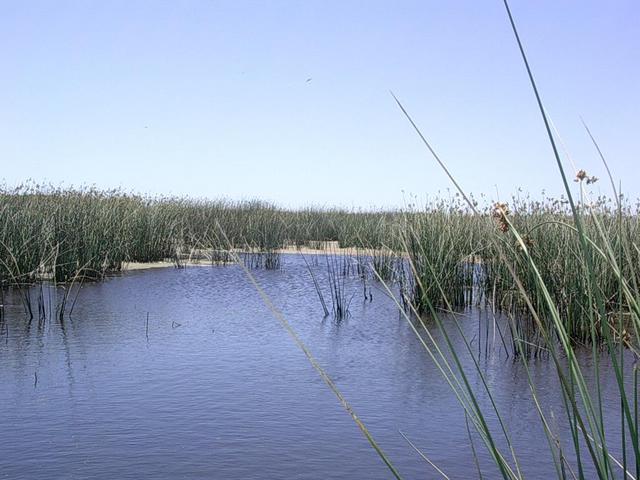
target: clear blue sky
<point>211,98</point>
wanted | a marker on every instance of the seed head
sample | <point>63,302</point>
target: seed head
<point>582,175</point>
<point>500,212</point>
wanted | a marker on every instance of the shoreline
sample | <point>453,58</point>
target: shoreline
<point>201,261</point>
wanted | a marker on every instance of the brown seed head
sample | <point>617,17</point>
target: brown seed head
<point>500,212</point>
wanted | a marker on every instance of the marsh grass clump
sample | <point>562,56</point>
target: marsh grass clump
<point>219,257</point>
<point>338,271</point>
<point>581,284</point>
<point>443,244</point>
<point>266,259</point>
<point>385,262</point>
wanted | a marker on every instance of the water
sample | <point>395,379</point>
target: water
<point>215,387</point>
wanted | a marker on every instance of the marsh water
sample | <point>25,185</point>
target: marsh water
<point>184,373</point>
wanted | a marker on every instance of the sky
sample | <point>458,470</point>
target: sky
<point>289,101</point>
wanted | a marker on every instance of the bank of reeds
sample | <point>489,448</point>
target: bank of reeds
<point>59,234</point>
<point>573,277</point>
<point>444,245</point>
<point>459,254</point>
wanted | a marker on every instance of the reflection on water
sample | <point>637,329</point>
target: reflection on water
<point>212,387</point>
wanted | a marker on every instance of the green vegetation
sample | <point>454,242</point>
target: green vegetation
<point>458,257</point>
<point>565,273</point>
<point>49,233</point>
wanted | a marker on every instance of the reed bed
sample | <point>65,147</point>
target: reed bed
<point>581,284</point>
<point>444,254</point>
<point>444,245</point>
<point>60,234</point>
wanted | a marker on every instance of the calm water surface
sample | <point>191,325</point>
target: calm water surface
<point>215,388</point>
